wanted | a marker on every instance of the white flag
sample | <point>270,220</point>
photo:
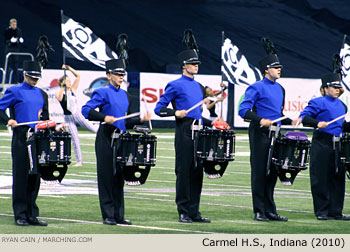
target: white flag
<point>345,57</point>
<point>78,41</point>
<point>235,67</point>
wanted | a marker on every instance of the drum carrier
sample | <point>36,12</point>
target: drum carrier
<point>134,154</point>
<point>291,155</point>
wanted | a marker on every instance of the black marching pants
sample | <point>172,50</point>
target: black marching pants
<point>262,186</point>
<point>189,177</point>
<point>110,185</point>
<point>327,185</point>
<point>25,187</point>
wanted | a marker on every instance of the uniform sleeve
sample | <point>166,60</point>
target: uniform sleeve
<point>309,114</point>
<point>45,113</point>
<point>7,101</point>
<point>161,106</point>
<point>246,107</point>
<point>88,110</point>
<point>312,109</point>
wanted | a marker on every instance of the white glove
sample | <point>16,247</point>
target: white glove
<point>21,40</point>
<point>13,40</point>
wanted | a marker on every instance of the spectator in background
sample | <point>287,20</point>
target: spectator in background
<point>72,115</point>
<point>13,43</point>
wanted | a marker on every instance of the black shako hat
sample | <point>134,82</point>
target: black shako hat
<point>270,61</point>
<point>188,57</point>
<point>116,66</point>
<point>331,80</point>
<point>32,69</point>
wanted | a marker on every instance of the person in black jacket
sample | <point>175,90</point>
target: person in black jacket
<point>27,103</point>
<point>13,43</point>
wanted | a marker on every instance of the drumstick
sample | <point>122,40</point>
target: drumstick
<point>125,117</point>
<point>279,119</point>
<point>336,119</point>
<point>27,123</point>
<point>149,122</point>
<point>195,106</point>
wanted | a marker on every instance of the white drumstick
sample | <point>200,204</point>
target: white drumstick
<point>125,117</point>
<point>336,119</point>
<point>195,106</point>
<point>297,124</point>
<point>27,123</point>
<point>149,122</point>
<point>282,118</point>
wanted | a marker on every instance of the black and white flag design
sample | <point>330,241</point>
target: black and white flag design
<point>235,67</point>
<point>79,42</point>
<point>345,57</point>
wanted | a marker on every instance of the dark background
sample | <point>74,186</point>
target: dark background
<point>306,33</point>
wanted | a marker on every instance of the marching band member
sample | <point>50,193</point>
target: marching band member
<point>327,175</point>
<point>184,93</point>
<point>263,103</point>
<point>112,102</point>
<point>27,103</point>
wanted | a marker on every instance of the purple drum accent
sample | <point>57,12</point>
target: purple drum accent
<point>293,135</point>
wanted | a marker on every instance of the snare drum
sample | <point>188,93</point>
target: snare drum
<point>49,153</point>
<point>54,147</point>
<point>291,155</point>
<point>216,145</point>
<point>136,150</point>
<point>135,154</point>
<point>345,148</point>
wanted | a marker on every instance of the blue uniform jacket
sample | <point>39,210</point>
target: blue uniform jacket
<point>185,92</point>
<point>265,98</point>
<point>26,103</point>
<point>111,101</point>
<point>326,109</point>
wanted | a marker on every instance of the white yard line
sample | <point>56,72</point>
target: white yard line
<point>129,226</point>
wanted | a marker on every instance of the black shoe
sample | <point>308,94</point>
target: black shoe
<point>124,222</point>
<point>35,222</point>
<point>200,219</point>
<point>322,217</point>
<point>21,222</point>
<point>260,217</point>
<point>109,221</point>
<point>340,217</point>
<point>275,217</point>
<point>185,218</point>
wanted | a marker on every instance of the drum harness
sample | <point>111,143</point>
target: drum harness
<point>195,136</point>
<point>336,148</point>
<point>273,135</point>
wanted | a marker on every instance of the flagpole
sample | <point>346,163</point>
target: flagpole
<point>64,60</point>
<point>343,41</point>
<point>222,77</point>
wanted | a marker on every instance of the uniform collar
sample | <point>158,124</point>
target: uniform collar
<point>27,85</point>
<point>330,98</point>
<point>266,80</point>
<point>187,78</point>
<point>113,87</point>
